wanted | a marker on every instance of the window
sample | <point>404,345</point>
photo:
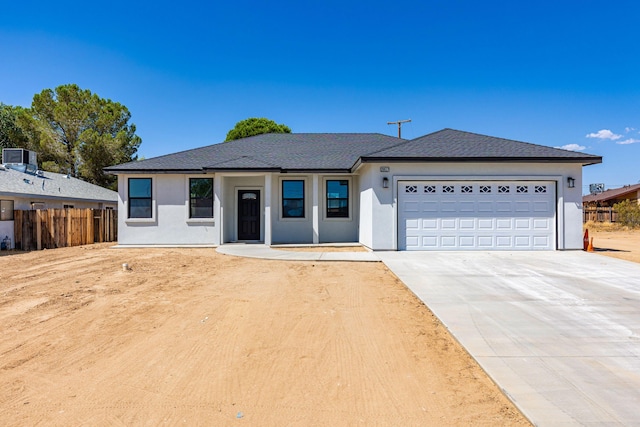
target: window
<point>429,188</point>
<point>447,188</point>
<point>522,189</point>
<point>200,197</point>
<point>466,189</point>
<point>293,199</point>
<point>338,198</point>
<point>6,210</point>
<point>485,189</point>
<point>67,206</point>
<point>410,188</point>
<point>140,198</point>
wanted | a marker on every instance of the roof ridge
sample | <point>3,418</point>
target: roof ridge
<point>404,141</point>
<point>239,157</point>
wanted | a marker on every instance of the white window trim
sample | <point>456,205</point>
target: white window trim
<point>154,201</point>
<point>324,198</point>
<point>187,190</point>
<point>281,197</point>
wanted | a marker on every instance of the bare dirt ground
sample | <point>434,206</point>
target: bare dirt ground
<point>623,244</point>
<point>192,337</point>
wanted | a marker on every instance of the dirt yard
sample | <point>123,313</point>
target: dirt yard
<point>191,337</point>
<point>623,244</point>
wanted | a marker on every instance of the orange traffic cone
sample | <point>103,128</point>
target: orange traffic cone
<point>585,241</point>
<point>590,247</point>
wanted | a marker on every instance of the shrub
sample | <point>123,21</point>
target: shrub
<point>628,213</point>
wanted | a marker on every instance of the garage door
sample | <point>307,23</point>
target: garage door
<point>476,215</point>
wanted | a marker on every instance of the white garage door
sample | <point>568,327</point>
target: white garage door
<point>476,215</point>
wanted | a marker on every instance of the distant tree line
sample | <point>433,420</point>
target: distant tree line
<point>73,131</point>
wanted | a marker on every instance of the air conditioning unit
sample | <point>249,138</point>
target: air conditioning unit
<point>19,156</point>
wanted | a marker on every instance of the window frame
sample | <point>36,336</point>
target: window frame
<point>4,217</point>
<point>326,215</point>
<point>191,218</point>
<point>151,199</point>
<point>303,217</point>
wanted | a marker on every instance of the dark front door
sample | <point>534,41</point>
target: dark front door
<point>248,215</point>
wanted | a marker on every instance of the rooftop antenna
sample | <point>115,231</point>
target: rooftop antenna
<point>399,123</point>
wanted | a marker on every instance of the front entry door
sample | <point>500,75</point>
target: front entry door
<point>248,214</point>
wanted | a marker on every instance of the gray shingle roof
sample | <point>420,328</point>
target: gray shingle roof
<point>455,145</point>
<point>274,151</point>
<point>52,186</point>
<point>342,151</point>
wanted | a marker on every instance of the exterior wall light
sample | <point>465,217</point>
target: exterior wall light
<point>385,182</point>
<point>571,182</point>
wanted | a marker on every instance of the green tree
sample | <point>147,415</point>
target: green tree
<point>11,133</point>
<point>255,126</point>
<point>77,132</point>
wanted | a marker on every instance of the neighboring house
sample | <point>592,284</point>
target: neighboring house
<point>24,188</point>
<point>446,190</point>
<point>609,198</point>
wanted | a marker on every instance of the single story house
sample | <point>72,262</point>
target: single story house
<point>23,187</point>
<point>609,198</point>
<point>448,190</point>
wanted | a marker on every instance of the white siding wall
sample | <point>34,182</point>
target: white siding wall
<point>383,203</point>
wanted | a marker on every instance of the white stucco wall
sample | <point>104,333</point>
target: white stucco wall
<point>292,230</point>
<point>382,234</point>
<point>170,224</point>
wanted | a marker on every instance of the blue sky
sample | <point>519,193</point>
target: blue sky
<point>562,73</point>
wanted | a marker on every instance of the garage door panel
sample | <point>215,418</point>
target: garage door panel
<point>467,224</point>
<point>429,206</point>
<point>448,224</point>
<point>446,206</point>
<point>504,223</point>
<point>504,241</point>
<point>485,206</point>
<point>430,224</point>
<point>448,241</point>
<point>467,215</point>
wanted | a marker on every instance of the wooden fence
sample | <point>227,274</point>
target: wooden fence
<point>56,228</point>
<point>600,214</point>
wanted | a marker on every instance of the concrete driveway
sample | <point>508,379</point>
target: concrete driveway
<point>559,332</point>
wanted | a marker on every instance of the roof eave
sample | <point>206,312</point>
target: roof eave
<point>584,160</point>
<point>157,171</point>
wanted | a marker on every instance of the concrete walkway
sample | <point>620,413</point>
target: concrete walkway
<point>267,252</point>
<point>559,332</point>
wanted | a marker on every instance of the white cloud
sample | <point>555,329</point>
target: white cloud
<point>628,141</point>
<point>604,134</point>
<point>573,147</point>
<point>629,129</point>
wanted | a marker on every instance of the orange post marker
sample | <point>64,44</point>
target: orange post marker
<point>590,247</point>
<point>585,241</point>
